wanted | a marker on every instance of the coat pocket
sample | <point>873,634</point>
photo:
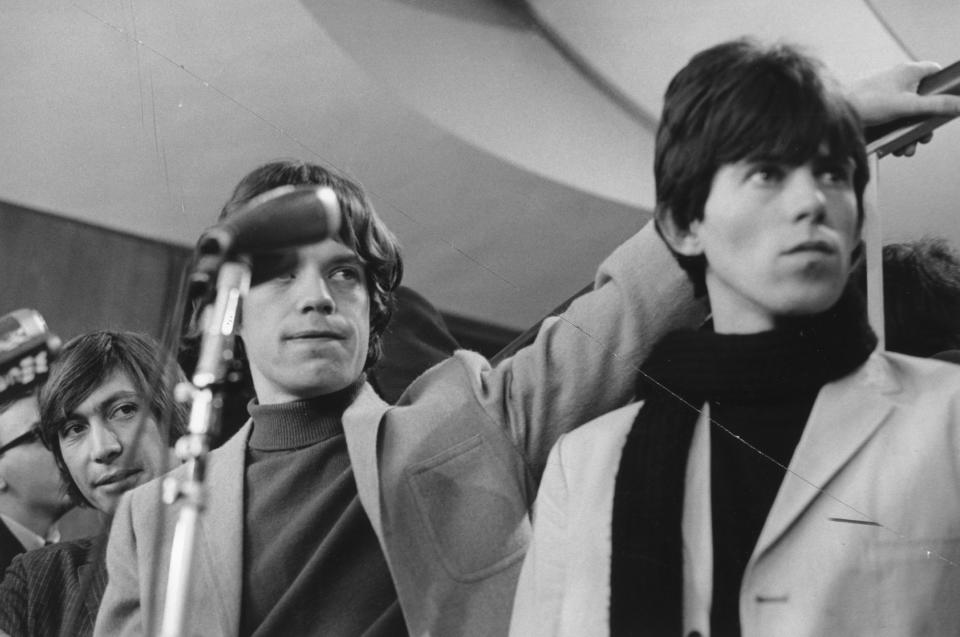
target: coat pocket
<point>472,509</point>
<point>912,586</point>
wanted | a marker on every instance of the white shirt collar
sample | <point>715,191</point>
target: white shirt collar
<point>28,538</point>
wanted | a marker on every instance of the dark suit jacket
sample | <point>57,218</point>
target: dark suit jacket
<point>10,547</point>
<point>416,340</point>
<point>54,590</point>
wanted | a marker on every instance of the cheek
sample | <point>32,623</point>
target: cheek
<point>73,459</point>
<point>255,314</point>
<point>153,450</point>
<point>730,245</point>
<point>742,233</point>
<point>846,216</point>
<point>360,315</point>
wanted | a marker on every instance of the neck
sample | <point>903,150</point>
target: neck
<point>740,320</point>
<point>37,519</point>
<point>735,313</point>
<point>736,323</point>
<point>273,397</point>
<point>735,317</point>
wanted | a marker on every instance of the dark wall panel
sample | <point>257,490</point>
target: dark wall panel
<point>83,277</point>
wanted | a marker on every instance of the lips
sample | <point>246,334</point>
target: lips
<point>115,477</point>
<point>818,246</point>
<point>304,335</point>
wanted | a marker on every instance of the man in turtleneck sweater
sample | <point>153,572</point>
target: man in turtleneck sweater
<point>780,477</point>
<point>333,513</point>
<point>330,511</point>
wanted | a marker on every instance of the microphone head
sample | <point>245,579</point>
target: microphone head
<point>27,348</point>
<point>285,217</point>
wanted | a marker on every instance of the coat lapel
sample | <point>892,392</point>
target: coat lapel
<point>220,538</point>
<point>361,424</point>
<point>844,416</point>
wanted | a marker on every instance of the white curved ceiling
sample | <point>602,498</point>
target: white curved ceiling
<point>507,143</point>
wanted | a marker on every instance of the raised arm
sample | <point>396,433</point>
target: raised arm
<point>584,362</point>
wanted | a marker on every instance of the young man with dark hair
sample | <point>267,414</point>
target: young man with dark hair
<point>780,477</point>
<point>332,512</point>
<point>109,416</point>
<point>32,497</point>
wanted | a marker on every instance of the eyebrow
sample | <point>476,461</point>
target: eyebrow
<point>348,259</point>
<point>817,158</point>
<point>106,402</point>
<point>835,157</point>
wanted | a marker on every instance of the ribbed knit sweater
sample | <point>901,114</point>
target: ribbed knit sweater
<point>311,561</point>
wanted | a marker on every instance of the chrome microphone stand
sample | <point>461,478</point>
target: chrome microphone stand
<point>206,392</point>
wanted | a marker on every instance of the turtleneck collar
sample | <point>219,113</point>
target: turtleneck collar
<point>300,423</point>
<point>799,356</point>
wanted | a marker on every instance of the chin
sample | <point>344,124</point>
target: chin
<point>317,385</point>
<point>811,302</point>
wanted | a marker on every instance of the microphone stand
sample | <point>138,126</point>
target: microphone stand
<point>206,392</point>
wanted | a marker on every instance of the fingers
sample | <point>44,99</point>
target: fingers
<point>910,150</point>
<point>921,69</point>
<point>906,151</point>
<point>937,105</point>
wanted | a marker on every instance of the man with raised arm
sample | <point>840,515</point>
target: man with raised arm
<point>334,513</point>
<point>780,477</point>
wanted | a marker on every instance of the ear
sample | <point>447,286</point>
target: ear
<point>683,241</point>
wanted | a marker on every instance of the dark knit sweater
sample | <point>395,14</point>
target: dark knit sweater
<point>745,475</point>
<point>311,561</point>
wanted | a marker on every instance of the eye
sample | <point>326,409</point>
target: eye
<point>124,411</point>
<point>766,173</point>
<point>837,174</point>
<point>274,267</point>
<point>72,429</point>
<point>284,277</point>
<point>347,274</point>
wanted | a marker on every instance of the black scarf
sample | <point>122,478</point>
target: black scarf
<point>685,370</point>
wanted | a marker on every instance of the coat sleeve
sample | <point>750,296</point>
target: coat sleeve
<point>120,612</point>
<point>584,362</point>
<point>539,597</point>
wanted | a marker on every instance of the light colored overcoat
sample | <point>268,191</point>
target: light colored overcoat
<point>863,537</point>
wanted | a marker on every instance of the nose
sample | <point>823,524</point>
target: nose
<point>313,293</point>
<point>106,445</point>
<point>806,200</point>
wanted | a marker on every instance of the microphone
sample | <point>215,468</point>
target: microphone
<point>27,348</point>
<point>285,217</point>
